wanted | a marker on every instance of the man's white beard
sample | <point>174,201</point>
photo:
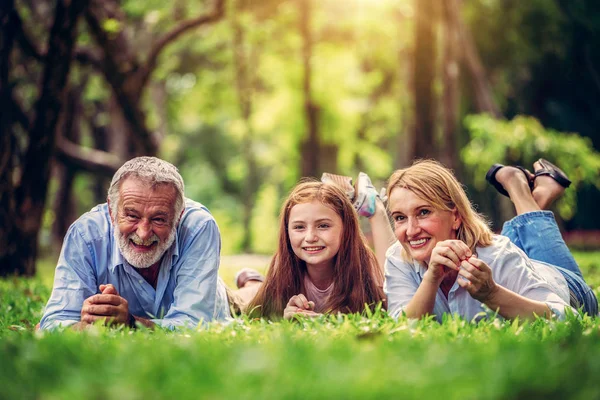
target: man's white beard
<point>145,259</point>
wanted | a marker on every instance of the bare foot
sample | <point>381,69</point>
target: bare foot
<point>247,275</point>
<point>515,182</point>
<point>252,282</point>
<point>246,294</point>
<point>545,189</point>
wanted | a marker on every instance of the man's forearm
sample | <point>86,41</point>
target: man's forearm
<point>79,326</point>
<point>143,321</point>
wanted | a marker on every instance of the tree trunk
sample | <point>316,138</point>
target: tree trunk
<point>7,189</point>
<point>100,135</point>
<point>310,149</point>
<point>450,76</point>
<point>21,246</point>
<point>64,203</point>
<point>244,64</point>
<point>160,97</point>
<point>405,142</point>
<point>424,73</point>
<point>482,92</point>
<point>120,67</point>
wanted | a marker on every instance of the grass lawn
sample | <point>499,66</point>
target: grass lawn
<point>342,357</point>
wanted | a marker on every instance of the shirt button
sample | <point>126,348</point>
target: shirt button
<point>140,281</point>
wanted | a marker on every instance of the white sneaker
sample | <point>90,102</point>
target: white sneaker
<point>363,195</point>
<point>366,196</point>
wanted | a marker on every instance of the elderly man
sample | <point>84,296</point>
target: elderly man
<point>149,256</point>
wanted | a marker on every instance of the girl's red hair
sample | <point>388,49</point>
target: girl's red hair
<point>357,277</point>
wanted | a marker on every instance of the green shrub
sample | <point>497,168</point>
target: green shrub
<point>522,141</point>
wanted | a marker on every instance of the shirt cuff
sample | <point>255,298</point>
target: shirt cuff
<point>57,324</point>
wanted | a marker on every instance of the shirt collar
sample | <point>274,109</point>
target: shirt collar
<point>116,256</point>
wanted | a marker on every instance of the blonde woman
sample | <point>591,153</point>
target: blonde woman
<point>447,260</point>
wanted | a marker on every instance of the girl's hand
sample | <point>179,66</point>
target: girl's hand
<point>478,279</point>
<point>298,304</point>
<point>445,257</point>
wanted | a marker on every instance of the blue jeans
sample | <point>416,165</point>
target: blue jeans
<point>537,234</point>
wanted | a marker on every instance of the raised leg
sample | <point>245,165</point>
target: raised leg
<point>381,229</point>
<point>534,230</point>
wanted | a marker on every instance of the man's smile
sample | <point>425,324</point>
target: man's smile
<point>143,247</point>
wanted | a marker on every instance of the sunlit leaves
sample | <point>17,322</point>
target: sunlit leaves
<point>112,26</point>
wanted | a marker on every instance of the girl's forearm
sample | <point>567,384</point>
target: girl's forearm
<point>383,235</point>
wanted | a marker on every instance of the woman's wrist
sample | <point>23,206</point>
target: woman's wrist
<point>430,278</point>
<point>492,298</point>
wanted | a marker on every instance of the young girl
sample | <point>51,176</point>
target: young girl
<point>448,261</point>
<point>322,263</point>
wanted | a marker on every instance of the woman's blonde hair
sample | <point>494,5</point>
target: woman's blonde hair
<point>436,184</point>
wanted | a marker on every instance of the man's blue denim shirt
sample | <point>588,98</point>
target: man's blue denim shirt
<point>188,290</point>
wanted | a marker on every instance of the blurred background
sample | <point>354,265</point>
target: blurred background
<point>246,97</point>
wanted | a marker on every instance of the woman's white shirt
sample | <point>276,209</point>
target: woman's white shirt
<point>511,268</point>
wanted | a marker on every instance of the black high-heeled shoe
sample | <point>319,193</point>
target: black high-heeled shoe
<point>554,172</point>
<point>490,176</point>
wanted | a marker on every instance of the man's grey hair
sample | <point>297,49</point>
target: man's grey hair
<point>153,171</point>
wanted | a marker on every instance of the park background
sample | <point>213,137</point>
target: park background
<point>246,97</point>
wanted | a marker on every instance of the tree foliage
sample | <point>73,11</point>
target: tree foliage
<point>523,140</point>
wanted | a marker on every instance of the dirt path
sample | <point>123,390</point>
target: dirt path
<point>231,264</point>
<point>245,260</point>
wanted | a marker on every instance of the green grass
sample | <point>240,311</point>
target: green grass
<point>346,357</point>
<point>589,262</point>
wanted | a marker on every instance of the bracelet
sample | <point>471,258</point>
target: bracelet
<point>131,321</point>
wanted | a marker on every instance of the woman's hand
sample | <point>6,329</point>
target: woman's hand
<point>445,257</point>
<point>299,305</point>
<point>478,279</point>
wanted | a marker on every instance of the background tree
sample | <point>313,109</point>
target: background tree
<point>424,77</point>
<point>25,200</point>
<point>32,140</point>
